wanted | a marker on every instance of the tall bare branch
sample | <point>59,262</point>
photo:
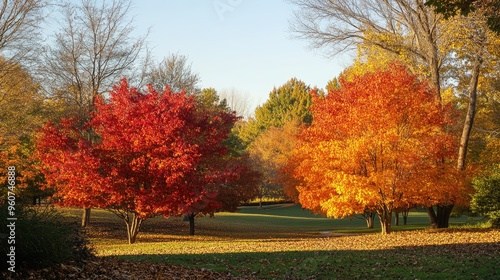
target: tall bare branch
<point>93,49</point>
<point>19,23</point>
<point>175,72</point>
<point>342,24</point>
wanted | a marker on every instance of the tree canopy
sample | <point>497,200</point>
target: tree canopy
<point>287,103</point>
<point>175,72</point>
<point>379,143</point>
<point>155,154</point>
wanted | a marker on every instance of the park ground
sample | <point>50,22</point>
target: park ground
<point>285,242</point>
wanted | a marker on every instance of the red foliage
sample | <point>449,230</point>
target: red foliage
<point>153,153</point>
<point>70,165</point>
<point>241,183</point>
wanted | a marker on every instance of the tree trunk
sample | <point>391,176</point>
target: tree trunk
<point>191,223</point>
<point>369,218</point>
<point>405,216</point>
<point>86,211</point>
<point>432,217</point>
<point>369,222</point>
<point>471,112</point>
<point>443,215</point>
<point>434,68</point>
<point>396,219</point>
<point>133,228</point>
<point>385,217</point>
<point>86,217</point>
<point>442,218</point>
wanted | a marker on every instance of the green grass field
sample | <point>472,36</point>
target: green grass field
<point>286,242</point>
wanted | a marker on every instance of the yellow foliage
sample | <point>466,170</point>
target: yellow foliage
<point>379,142</point>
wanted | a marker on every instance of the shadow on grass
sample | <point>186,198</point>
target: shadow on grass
<point>454,261</point>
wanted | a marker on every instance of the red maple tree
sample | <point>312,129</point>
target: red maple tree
<point>155,154</point>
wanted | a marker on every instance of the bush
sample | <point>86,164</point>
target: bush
<point>486,200</point>
<point>43,238</point>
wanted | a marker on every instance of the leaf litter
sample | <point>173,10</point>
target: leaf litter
<point>413,249</point>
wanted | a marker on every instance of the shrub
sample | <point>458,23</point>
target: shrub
<point>43,238</point>
<point>486,200</point>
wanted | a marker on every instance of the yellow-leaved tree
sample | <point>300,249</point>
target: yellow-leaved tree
<point>377,143</point>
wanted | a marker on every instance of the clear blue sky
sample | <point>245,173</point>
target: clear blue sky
<point>241,44</point>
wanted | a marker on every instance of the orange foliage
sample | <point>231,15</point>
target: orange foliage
<point>271,150</point>
<point>378,143</point>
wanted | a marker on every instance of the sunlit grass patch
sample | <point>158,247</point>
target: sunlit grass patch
<point>287,242</point>
<point>422,254</point>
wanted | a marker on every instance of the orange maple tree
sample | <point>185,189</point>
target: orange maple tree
<point>376,144</point>
<point>155,154</point>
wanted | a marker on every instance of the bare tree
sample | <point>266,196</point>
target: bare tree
<point>175,72</point>
<point>406,27</point>
<point>19,29</point>
<point>342,24</point>
<point>237,101</point>
<point>92,50</point>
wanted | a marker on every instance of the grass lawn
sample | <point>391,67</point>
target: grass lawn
<point>286,242</point>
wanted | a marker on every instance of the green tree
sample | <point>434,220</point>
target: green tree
<point>287,103</point>
<point>486,200</point>
<point>209,99</point>
<point>247,130</point>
